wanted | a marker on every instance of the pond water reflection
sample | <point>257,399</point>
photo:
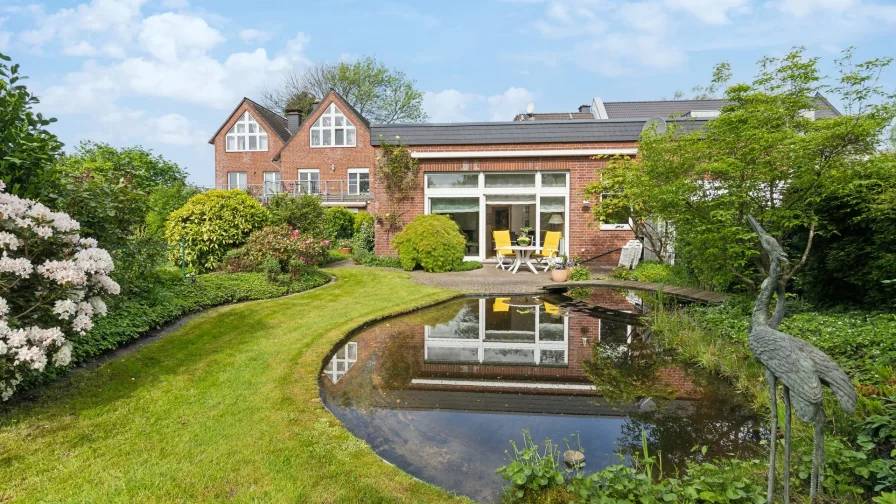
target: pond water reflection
<point>440,392</point>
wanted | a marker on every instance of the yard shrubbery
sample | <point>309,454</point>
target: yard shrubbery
<point>303,213</point>
<point>212,223</point>
<point>433,242</point>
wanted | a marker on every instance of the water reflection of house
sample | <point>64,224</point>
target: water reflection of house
<point>527,345</point>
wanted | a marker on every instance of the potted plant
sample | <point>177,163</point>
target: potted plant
<point>560,270</point>
<point>523,240</point>
<point>345,247</point>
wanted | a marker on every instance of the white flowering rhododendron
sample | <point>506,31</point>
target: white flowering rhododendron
<point>51,287</point>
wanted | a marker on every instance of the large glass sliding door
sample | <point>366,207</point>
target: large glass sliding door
<point>482,203</point>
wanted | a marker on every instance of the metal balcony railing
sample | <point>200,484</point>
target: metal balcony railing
<point>327,190</point>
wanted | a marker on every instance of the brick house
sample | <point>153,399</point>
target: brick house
<point>529,172</point>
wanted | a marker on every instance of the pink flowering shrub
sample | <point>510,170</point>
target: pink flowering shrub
<point>286,245</point>
<point>51,283</point>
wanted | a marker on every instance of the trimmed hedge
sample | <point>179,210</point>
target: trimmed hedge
<point>433,242</point>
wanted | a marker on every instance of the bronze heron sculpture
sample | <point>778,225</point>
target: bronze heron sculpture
<point>801,368</point>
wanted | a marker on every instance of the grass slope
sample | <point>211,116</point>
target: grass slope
<point>224,408</point>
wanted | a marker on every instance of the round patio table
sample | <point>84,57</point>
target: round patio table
<point>523,255</point>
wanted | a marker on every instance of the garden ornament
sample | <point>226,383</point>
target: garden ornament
<point>801,368</point>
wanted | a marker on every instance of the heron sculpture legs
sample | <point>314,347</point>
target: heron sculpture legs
<point>787,416</point>
<point>818,456</point>
<point>773,385</point>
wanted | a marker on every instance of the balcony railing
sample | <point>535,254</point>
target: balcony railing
<point>327,190</point>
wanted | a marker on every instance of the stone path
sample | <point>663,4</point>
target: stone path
<point>491,280</point>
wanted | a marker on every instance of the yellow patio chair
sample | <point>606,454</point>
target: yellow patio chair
<point>502,248</point>
<point>551,308</point>
<point>501,305</point>
<point>550,249</point>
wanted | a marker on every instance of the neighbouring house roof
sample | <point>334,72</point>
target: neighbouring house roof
<point>274,121</point>
<point>566,131</point>
<point>661,108</point>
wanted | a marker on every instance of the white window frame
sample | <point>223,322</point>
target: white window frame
<point>309,181</point>
<point>357,171</point>
<point>247,122</point>
<point>245,177</point>
<point>480,191</point>
<point>332,113</point>
<point>271,187</point>
<point>613,226</point>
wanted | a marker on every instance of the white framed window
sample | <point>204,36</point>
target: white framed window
<point>309,181</point>
<point>246,135</point>
<point>616,221</point>
<point>358,181</point>
<point>271,183</point>
<point>237,180</point>
<point>332,129</point>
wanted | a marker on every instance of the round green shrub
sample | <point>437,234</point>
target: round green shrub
<point>434,242</point>
<point>340,223</point>
<point>210,224</point>
<point>301,212</point>
<point>365,236</point>
<point>362,218</point>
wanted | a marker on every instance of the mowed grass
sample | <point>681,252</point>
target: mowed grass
<point>224,409</point>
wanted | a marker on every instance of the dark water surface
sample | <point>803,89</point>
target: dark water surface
<point>441,391</point>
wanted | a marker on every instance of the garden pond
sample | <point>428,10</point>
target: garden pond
<point>440,392</point>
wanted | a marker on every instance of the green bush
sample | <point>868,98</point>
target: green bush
<point>361,218</point>
<point>468,266</point>
<point>212,223</point>
<point>284,245</point>
<point>340,223</point>
<point>651,271</point>
<point>434,242</point>
<point>303,213</point>
<point>365,258</point>
<point>364,238</point>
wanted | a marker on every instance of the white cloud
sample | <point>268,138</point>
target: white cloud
<point>175,4</point>
<point>106,18</point>
<point>4,40</point>
<point>709,11</point>
<point>173,129</point>
<point>452,105</point>
<point>803,8</point>
<point>173,38</point>
<point>83,48</point>
<point>505,106</point>
<point>449,105</point>
<point>253,36</point>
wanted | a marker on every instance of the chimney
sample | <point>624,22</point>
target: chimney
<point>293,120</point>
<point>585,108</point>
<point>314,105</point>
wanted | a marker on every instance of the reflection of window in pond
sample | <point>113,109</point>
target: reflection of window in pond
<point>507,331</point>
<point>463,326</point>
<point>615,332</point>
<point>341,362</point>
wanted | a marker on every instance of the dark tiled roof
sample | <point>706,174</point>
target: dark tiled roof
<point>608,130</point>
<point>662,108</point>
<point>275,121</point>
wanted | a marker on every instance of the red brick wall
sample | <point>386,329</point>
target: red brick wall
<point>585,240</point>
<point>253,163</point>
<point>333,162</point>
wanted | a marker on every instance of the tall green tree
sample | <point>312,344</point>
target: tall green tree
<point>27,149</point>
<point>380,94</point>
<point>764,155</point>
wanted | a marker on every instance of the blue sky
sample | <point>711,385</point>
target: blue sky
<point>165,73</point>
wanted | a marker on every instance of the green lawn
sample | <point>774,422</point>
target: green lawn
<point>226,408</point>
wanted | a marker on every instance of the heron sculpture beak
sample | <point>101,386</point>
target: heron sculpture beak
<point>755,225</point>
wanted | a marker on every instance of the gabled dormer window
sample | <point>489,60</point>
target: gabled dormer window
<point>332,129</point>
<point>246,135</point>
